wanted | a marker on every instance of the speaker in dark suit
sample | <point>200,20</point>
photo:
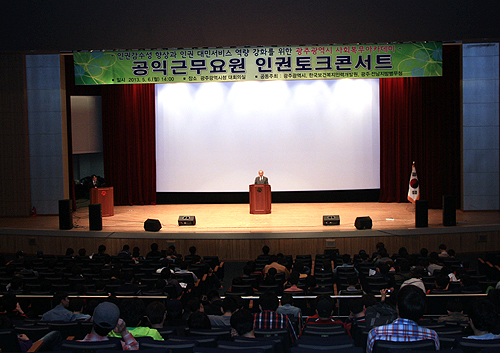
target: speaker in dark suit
<point>95,216</point>
<point>449,210</point>
<point>65,215</point>
<point>152,225</point>
<point>421,213</point>
<point>363,223</point>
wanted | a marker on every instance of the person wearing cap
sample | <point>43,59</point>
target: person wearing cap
<point>324,310</point>
<point>106,318</point>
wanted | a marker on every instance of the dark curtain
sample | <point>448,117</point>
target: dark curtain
<point>420,121</point>
<point>128,121</point>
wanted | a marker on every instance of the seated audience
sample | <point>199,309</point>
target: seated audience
<point>411,306</point>
<point>325,306</point>
<point>442,251</point>
<point>483,319</point>
<point>230,304</point>
<point>132,311</point>
<point>125,252</point>
<point>293,281</point>
<point>154,253</point>
<point>287,308</point>
<point>454,308</point>
<point>242,322</point>
<point>346,263</point>
<point>268,318</point>
<point>60,312</point>
<point>278,264</point>
<point>106,319</point>
<point>156,312</point>
<point>199,320</point>
<point>213,306</point>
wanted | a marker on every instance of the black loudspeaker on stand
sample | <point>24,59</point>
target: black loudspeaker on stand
<point>449,210</point>
<point>65,215</point>
<point>421,213</point>
<point>95,216</point>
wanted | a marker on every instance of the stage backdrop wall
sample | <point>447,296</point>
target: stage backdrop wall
<point>419,120</point>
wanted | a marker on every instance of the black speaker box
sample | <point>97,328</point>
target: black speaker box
<point>187,220</point>
<point>449,211</point>
<point>65,214</point>
<point>95,216</point>
<point>333,220</point>
<point>152,225</point>
<point>363,223</point>
<point>421,213</point>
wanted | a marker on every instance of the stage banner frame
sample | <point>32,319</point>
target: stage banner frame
<point>259,63</point>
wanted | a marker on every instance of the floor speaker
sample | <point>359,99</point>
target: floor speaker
<point>187,220</point>
<point>152,225</point>
<point>421,213</point>
<point>333,220</point>
<point>65,215</point>
<point>363,223</point>
<point>449,210</point>
<point>95,216</point>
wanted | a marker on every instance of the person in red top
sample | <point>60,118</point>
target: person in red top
<point>324,311</point>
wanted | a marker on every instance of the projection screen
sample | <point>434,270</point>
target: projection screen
<point>305,135</point>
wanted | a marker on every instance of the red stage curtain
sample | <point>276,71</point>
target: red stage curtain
<point>420,121</point>
<point>128,120</point>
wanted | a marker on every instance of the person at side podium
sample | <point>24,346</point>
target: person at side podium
<point>95,182</point>
<point>261,179</point>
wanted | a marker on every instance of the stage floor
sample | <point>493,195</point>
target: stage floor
<point>286,218</point>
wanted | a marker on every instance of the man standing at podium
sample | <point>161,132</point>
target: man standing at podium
<point>261,179</point>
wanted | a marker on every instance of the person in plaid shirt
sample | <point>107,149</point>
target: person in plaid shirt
<point>268,318</point>
<point>411,306</point>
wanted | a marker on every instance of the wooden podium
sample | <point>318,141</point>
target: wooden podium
<point>104,196</point>
<point>260,199</point>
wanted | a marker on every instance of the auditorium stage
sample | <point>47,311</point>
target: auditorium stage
<point>223,225</point>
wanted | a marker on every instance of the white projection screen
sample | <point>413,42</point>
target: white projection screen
<point>305,135</point>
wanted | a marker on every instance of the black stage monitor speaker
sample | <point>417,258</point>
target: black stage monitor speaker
<point>152,225</point>
<point>95,216</point>
<point>65,215</point>
<point>333,220</point>
<point>187,220</point>
<point>421,213</point>
<point>363,223</point>
<point>449,211</point>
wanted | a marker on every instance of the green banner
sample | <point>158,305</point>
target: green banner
<point>259,63</point>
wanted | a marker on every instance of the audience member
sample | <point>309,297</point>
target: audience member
<point>346,263</point>
<point>199,320</point>
<point>125,252</point>
<point>293,281</point>
<point>268,318</point>
<point>156,312</point>
<point>214,304</point>
<point>483,319</point>
<point>278,264</point>
<point>454,308</point>
<point>60,312</point>
<point>77,306</point>
<point>325,306</point>
<point>133,311</point>
<point>442,251</point>
<point>230,305</point>
<point>154,253</point>
<point>106,319</point>
<point>242,322</point>
<point>411,306</point>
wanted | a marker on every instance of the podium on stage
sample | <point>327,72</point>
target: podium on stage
<point>260,198</point>
<point>104,196</point>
